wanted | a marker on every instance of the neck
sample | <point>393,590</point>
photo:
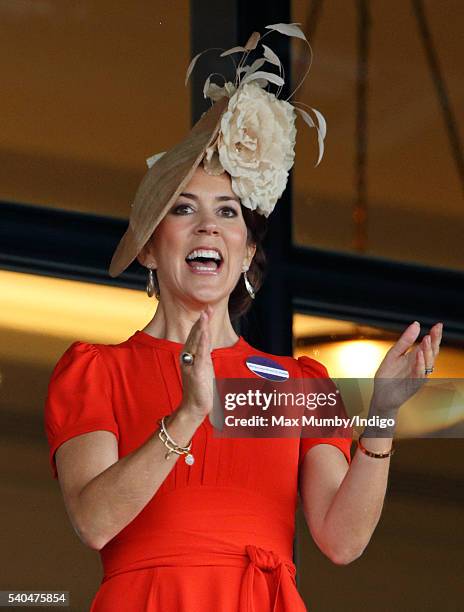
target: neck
<point>175,322</point>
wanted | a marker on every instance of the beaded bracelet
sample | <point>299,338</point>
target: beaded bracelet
<point>376,455</point>
<point>173,446</point>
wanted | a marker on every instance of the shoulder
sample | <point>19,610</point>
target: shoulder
<point>83,356</point>
<point>311,367</point>
<point>79,359</point>
<point>77,350</point>
<point>92,350</point>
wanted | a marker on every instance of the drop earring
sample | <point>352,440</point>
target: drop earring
<point>248,285</point>
<point>150,283</point>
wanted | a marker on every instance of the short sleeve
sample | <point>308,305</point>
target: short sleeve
<point>78,399</point>
<point>311,368</point>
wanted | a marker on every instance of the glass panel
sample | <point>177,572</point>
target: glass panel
<point>54,312</point>
<point>89,91</point>
<point>412,177</point>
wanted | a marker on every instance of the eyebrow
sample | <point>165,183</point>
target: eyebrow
<point>222,198</point>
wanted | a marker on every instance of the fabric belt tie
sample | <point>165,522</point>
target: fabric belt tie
<point>255,583</point>
<point>267,576</point>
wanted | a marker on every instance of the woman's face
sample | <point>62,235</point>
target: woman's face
<point>207,216</point>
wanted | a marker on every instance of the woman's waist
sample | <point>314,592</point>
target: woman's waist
<point>264,555</point>
<point>202,522</point>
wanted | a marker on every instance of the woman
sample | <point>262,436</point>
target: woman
<point>212,530</point>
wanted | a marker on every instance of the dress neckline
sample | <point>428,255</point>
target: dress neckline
<point>143,337</point>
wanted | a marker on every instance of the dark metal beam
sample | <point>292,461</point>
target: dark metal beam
<point>61,243</point>
<point>212,24</point>
<point>375,291</point>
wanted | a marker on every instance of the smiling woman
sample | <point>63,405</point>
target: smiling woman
<point>204,217</point>
<point>215,530</point>
<point>198,228</point>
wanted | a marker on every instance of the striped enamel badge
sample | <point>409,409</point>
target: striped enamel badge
<point>267,368</point>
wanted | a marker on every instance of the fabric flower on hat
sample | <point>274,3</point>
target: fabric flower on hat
<point>256,140</point>
<point>255,146</point>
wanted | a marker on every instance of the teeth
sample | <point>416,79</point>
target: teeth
<point>204,253</point>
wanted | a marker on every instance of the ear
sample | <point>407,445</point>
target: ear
<point>251,250</point>
<point>146,258</point>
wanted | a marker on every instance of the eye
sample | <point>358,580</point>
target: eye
<point>229,208</point>
<point>175,209</point>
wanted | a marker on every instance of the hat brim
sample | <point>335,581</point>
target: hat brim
<point>163,183</point>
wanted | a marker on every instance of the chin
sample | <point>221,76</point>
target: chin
<point>207,296</point>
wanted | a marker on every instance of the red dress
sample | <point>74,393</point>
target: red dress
<point>217,535</point>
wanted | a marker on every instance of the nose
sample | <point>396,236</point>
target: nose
<point>207,224</point>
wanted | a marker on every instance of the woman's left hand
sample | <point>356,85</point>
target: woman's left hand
<point>401,374</point>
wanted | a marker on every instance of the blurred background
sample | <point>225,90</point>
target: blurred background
<point>359,247</point>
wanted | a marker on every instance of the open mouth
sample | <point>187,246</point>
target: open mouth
<point>206,263</point>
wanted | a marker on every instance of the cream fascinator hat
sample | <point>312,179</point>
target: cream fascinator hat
<point>248,132</point>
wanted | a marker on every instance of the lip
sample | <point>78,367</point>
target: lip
<point>207,272</point>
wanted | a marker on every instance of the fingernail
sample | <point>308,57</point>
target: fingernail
<point>416,323</point>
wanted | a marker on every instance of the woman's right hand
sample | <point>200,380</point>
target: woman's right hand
<point>198,378</point>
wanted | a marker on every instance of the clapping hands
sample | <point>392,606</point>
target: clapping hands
<point>403,371</point>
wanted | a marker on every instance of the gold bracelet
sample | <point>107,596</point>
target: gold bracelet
<point>173,446</point>
<point>376,455</point>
